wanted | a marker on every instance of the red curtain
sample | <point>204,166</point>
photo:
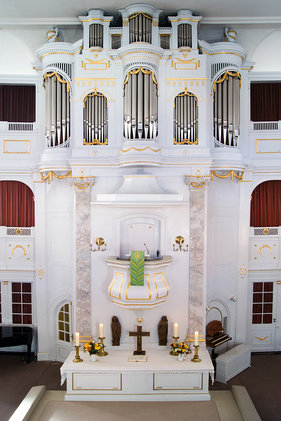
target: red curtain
<point>16,204</point>
<point>266,205</point>
<point>265,101</point>
<point>17,103</point>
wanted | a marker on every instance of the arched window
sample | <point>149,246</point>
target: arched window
<point>95,130</point>
<point>16,204</point>
<point>227,109</point>
<point>140,27</point>
<point>57,110</point>
<point>186,119</point>
<point>184,35</point>
<point>140,104</point>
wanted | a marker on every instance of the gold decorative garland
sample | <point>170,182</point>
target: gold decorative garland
<point>57,76</point>
<point>140,13</point>
<point>95,93</point>
<point>230,174</point>
<point>225,76</point>
<point>52,174</point>
<point>135,72</point>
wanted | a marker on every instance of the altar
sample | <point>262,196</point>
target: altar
<point>114,378</point>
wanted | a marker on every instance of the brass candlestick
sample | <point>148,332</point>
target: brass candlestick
<point>175,340</point>
<point>196,358</point>
<point>77,358</point>
<point>102,352</point>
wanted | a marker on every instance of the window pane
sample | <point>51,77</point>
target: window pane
<point>26,298</point>
<point>256,319</point>
<point>257,308</point>
<point>268,298</point>
<point>257,287</point>
<point>26,287</point>
<point>27,319</point>
<point>267,308</point>
<point>257,298</point>
<point>267,318</point>
<point>16,318</point>
<point>16,287</point>
<point>16,308</point>
<point>27,309</point>
<point>16,298</point>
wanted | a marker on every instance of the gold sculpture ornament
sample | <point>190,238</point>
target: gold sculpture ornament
<point>179,244</point>
<point>101,244</point>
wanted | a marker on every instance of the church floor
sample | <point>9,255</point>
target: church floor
<point>262,381</point>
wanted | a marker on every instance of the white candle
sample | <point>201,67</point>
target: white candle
<point>101,330</point>
<point>176,329</point>
<point>196,338</point>
<point>77,341</point>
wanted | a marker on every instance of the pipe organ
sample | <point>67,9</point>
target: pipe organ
<point>184,35</point>
<point>95,129</point>
<point>186,119</point>
<point>96,35</point>
<point>140,105</point>
<point>140,28</point>
<point>57,110</point>
<point>227,109</point>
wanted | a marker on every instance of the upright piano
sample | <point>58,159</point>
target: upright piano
<point>15,336</point>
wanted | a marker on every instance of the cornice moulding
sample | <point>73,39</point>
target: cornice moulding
<point>229,20</point>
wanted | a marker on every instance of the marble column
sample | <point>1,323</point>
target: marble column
<point>197,258</point>
<point>82,308</point>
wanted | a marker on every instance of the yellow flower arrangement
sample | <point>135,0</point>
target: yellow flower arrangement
<point>180,348</point>
<point>92,347</point>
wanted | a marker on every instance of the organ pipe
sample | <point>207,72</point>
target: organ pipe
<point>140,27</point>
<point>227,109</point>
<point>186,119</point>
<point>184,35</point>
<point>96,35</point>
<point>140,105</point>
<point>95,130</point>
<point>57,110</point>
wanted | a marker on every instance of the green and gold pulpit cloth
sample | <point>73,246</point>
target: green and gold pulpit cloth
<point>137,268</point>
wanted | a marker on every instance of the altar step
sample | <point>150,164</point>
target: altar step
<point>226,405</point>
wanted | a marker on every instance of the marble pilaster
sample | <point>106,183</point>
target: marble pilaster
<point>197,259</point>
<point>82,309</point>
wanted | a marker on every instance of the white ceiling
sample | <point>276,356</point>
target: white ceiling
<point>67,11</point>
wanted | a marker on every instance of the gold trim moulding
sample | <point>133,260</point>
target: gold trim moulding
<point>223,52</point>
<point>180,19</point>
<point>136,304</point>
<point>100,19</point>
<point>17,140</point>
<point>110,390</point>
<point>201,387</point>
<point>60,52</point>
<point>260,140</point>
<point>139,150</point>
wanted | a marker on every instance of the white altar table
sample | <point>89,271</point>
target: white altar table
<point>114,378</point>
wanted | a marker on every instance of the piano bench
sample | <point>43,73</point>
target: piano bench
<point>232,362</point>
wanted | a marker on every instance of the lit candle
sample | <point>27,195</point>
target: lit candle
<point>77,341</point>
<point>101,330</point>
<point>196,338</point>
<point>176,329</point>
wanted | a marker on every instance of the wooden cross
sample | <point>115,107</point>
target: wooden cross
<point>139,334</point>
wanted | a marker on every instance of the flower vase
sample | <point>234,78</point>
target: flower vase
<point>93,357</point>
<point>180,357</point>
